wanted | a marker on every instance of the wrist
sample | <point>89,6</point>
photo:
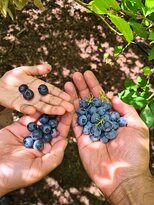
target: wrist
<point>136,190</point>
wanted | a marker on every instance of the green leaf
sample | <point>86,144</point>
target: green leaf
<point>39,4</point>
<point>123,26</point>
<point>20,3</point>
<point>147,116</point>
<point>152,106</point>
<point>142,81</point>
<point>147,70</point>
<point>151,55</point>
<point>149,4</point>
<point>139,29</point>
<point>139,102</point>
<point>130,84</point>
<point>151,36</point>
<point>117,50</point>
<point>4,7</point>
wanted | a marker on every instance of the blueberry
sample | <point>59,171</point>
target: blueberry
<point>84,103</point>
<point>96,131</point>
<point>31,126</point>
<point>81,111</point>
<point>107,106</point>
<point>92,110</point>
<point>46,129</point>
<point>38,145</point>
<point>95,118</point>
<point>106,117</point>
<point>53,123</point>
<point>82,120</point>
<point>52,117</point>
<point>43,89</point>
<point>111,135</point>
<point>88,117</point>
<point>101,110</point>
<point>44,119</point>
<point>97,102</point>
<point>22,88</point>
<point>114,116</point>
<point>28,142</point>
<point>122,122</point>
<point>107,126</point>
<point>94,138</point>
<point>55,133</point>
<point>28,94</point>
<point>47,138</point>
<point>115,125</point>
<point>87,128</point>
<point>37,134</point>
<point>104,139</point>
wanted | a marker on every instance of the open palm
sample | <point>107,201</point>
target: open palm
<point>56,102</point>
<point>127,156</point>
<point>20,166</point>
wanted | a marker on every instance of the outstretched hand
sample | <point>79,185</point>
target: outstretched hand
<point>19,166</point>
<point>109,165</point>
<point>56,102</point>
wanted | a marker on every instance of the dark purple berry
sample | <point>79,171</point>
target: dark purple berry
<point>28,94</point>
<point>28,142</point>
<point>37,134</point>
<point>31,126</point>
<point>43,89</point>
<point>38,145</point>
<point>47,138</point>
<point>44,119</point>
<point>23,88</point>
<point>46,129</point>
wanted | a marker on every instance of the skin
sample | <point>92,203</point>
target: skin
<point>112,164</point>
<point>19,166</point>
<point>56,102</point>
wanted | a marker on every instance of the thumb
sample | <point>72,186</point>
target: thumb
<point>36,70</point>
<point>129,112</point>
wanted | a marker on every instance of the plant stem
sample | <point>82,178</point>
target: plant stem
<point>101,17</point>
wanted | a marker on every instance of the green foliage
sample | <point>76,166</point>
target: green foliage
<point>8,7</point>
<point>130,17</point>
<point>140,96</point>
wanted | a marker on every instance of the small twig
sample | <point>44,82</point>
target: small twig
<point>101,17</point>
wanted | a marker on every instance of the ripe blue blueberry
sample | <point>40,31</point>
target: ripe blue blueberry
<point>22,88</point>
<point>38,145</point>
<point>53,123</point>
<point>87,128</point>
<point>82,120</point>
<point>81,111</point>
<point>107,126</point>
<point>95,118</point>
<point>28,94</point>
<point>43,89</point>
<point>84,103</point>
<point>94,138</point>
<point>115,125</point>
<point>114,116</point>
<point>44,119</point>
<point>122,122</point>
<point>28,142</point>
<point>111,135</point>
<point>101,110</point>
<point>46,129</point>
<point>97,102</point>
<point>104,139</point>
<point>107,106</point>
<point>92,110</point>
<point>106,117</point>
<point>47,138</point>
<point>37,134</point>
<point>31,126</point>
<point>96,131</point>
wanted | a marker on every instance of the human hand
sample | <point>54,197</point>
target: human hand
<point>19,166</point>
<point>127,157</point>
<point>56,102</point>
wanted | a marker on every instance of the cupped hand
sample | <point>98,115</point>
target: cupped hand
<point>126,157</point>
<point>56,102</point>
<point>20,166</point>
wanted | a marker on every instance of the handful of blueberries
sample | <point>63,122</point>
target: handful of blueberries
<point>98,119</point>
<point>42,133</point>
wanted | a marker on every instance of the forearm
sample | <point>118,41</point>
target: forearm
<point>135,191</point>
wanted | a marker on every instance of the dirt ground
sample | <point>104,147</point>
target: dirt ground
<point>69,39</point>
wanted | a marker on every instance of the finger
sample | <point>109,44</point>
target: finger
<point>93,83</point>
<point>51,160</point>
<point>52,100</point>
<point>128,112</point>
<point>58,92</point>
<point>49,109</point>
<point>81,85</point>
<point>36,70</point>
<point>70,89</point>
<point>27,109</point>
<point>30,118</point>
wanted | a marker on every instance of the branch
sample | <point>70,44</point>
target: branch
<point>101,17</point>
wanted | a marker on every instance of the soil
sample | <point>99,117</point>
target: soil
<point>69,39</point>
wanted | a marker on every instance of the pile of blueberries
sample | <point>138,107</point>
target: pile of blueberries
<point>98,119</point>
<point>43,131</point>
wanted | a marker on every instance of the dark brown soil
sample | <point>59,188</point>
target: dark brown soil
<point>70,40</point>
